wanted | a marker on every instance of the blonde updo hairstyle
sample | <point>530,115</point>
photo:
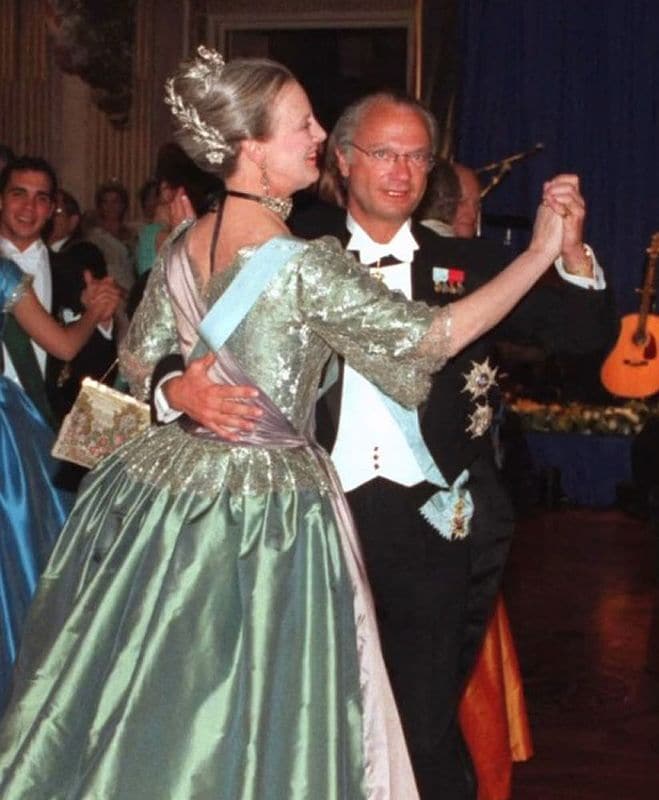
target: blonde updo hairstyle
<point>235,99</point>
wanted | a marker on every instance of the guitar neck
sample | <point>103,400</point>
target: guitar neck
<point>647,291</point>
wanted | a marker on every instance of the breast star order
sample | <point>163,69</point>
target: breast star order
<point>479,420</point>
<point>480,379</point>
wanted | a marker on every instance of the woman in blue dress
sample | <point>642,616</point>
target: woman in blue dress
<point>32,510</point>
<point>204,628</point>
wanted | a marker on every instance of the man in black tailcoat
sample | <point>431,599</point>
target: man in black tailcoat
<point>433,596</point>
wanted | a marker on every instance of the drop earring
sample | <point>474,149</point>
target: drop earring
<point>265,183</point>
<point>282,206</point>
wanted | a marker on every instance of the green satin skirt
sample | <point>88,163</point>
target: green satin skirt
<point>186,646</point>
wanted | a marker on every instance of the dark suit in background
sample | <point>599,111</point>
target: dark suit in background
<point>98,355</point>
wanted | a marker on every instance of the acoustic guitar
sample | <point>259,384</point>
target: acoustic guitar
<point>632,368</point>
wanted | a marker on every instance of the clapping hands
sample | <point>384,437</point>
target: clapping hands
<point>101,297</point>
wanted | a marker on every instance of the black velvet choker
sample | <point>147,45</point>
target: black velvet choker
<point>281,206</point>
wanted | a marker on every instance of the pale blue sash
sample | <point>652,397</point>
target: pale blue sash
<point>449,510</point>
<point>245,289</point>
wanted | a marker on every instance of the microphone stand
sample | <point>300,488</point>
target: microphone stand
<point>501,169</point>
<point>504,166</point>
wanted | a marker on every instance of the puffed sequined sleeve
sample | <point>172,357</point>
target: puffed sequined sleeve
<point>13,284</point>
<point>151,335</point>
<point>394,342</point>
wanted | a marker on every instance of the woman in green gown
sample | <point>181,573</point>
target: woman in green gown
<point>204,628</point>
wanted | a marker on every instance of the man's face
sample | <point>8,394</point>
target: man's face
<point>467,215</point>
<point>63,223</point>
<point>111,206</point>
<point>381,195</point>
<point>25,207</point>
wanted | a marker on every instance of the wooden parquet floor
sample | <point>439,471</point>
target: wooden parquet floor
<point>581,588</point>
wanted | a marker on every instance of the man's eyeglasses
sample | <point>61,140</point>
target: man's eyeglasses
<point>419,159</point>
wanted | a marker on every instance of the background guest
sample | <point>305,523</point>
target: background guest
<point>106,228</point>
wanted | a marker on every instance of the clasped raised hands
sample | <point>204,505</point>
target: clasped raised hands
<point>559,223</point>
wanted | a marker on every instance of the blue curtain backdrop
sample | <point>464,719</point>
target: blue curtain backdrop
<point>580,77</point>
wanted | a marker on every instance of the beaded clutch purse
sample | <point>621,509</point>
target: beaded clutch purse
<point>101,420</point>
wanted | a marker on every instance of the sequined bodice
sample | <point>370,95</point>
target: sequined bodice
<point>282,355</point>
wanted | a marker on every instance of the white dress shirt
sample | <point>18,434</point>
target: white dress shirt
<point>438,227</point>
<point>33,261</point>
<point>59,244</point>
<point>597,281</point>
<point>369,443</point>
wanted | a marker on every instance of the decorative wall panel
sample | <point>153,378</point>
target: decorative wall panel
<point>45,112</point>
<point>127,154</point>
<point>25,80</point>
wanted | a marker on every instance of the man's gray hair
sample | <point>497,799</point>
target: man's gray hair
<point>331,187</point>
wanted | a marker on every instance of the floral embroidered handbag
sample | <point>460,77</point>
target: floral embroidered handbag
<point>100,421</point>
